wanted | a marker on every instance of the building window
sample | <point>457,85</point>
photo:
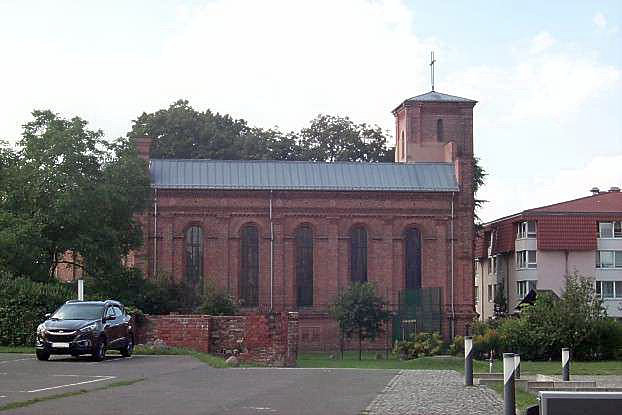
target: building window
<point>608,259</point>
<point>526,259</point>
<point>412,254</point>
<point>402,145</point>
<point>194,256</point>
<point>526,229</point>
<point>476,294</point>
<point>610,229</point>
<point>439,130</point>
<point>609,289</point>
<point>490,295</point>
<point>249,267</point>
<point>358,254</point>
<point>304,266</point>
<point>523,288</point>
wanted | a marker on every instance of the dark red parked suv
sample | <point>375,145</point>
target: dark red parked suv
<point>86,327</point>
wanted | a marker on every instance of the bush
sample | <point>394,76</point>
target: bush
<point>217,303</point>
<point>457,346</point>
<point>422,344</point>
<point>161,295</point>
<point>23,305</point>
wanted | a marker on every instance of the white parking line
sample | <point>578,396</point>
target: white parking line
<point>100,378</point>
<point>16,360</point>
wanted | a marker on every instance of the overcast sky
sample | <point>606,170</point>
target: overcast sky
<point>547,74</point>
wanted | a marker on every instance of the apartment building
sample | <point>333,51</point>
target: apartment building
<point>536,249</point>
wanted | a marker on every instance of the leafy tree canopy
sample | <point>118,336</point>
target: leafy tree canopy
<point>183,132</point>
<point>360,312</point>
<point>67,189</point>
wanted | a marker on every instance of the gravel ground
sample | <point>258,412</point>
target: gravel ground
<point>433,392</point>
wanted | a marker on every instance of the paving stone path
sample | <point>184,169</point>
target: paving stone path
<point>433,392</point>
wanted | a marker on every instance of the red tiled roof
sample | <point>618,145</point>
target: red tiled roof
<point>571,225</point>
<point>609,202</point>
<point>481,245</point>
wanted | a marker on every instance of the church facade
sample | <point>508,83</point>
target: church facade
<point>290,236</point>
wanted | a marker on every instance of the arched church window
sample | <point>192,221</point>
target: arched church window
<point>194,256</point>
<point>304,266</point>
<point>439,130</point>
<point>249,266</point>
<point>358,254</point>
<point>412,255</point>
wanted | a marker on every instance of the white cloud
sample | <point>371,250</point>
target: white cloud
<point>508,196</point>
<point>274,62</point>
<point>541,42</point>
<point>599,20</point>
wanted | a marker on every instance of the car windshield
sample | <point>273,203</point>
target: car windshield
<point>79,312</point>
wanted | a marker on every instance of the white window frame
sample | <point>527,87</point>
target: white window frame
<point>616,259</point>
<point>616,229</point>
<point>525,286</point>
<point>616,287</point>
<point>523,260</point>
<point>524,232</point>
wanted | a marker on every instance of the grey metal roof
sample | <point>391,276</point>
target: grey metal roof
<point>302,175</point>
<point>434,96</point>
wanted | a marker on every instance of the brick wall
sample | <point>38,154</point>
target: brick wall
<point>266,339</point>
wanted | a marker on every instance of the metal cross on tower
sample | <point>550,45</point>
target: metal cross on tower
<point>432,60</point>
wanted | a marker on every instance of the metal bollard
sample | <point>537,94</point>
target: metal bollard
<point>517,365</point>
<point>468,361</point>
<point>509,398</point>
<point>565,364</point>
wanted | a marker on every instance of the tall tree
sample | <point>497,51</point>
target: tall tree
<point>180,131</point>
<point>360,312</point>
<point>70,190</point>
<point>334,138</point>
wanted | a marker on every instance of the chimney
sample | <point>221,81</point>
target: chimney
<point>595,190</point>
<point>143,145</point>
<point>614,189</point>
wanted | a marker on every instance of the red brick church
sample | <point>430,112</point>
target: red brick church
<point>289,236</point>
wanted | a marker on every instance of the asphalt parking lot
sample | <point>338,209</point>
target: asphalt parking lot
<point>182,385</point>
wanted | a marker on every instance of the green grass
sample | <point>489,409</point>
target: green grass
<point>313,359</point>
<point>21,404</point>
<point>523,399</point>
<point>213,361</point>
<point>17,349</point>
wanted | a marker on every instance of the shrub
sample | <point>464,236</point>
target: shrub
<point>483,344</point>
<point>457,346</point>
<point>24,303</point>
<point>422,344</point>
<point>217,303</point>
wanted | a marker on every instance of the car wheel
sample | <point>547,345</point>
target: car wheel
<point>129,347</point>
<point>42,355</point>
<point>99,351</point>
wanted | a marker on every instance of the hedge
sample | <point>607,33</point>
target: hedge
<point>23,305</point>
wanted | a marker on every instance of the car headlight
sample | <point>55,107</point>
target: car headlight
<point>88,328</point>
<point>40,329</point>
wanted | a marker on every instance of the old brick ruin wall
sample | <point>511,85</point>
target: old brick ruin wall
<point>269,339</point>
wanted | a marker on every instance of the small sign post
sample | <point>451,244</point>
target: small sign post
<point>565,364</point>
<point>81,290</point>
<point>468,361</point>
<point>509,399</point>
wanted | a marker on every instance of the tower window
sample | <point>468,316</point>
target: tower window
<point>439,130</point>
<point>402,145</point>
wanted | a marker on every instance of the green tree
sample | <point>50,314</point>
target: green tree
<point>334,138</point>
<point>180,131</point>
<point>67,189</point>
<point>479,179</point>
<point>359,311</point>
